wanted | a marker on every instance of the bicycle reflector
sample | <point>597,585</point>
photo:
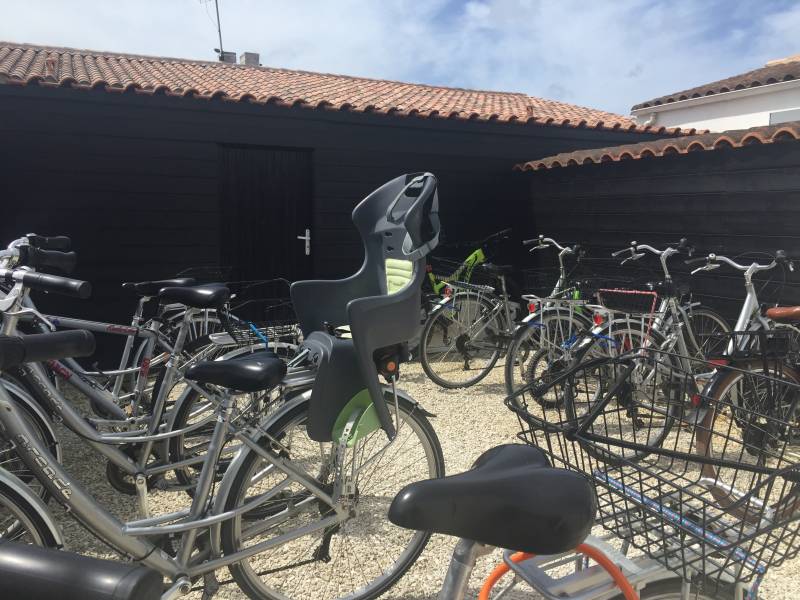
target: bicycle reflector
<point>448,291</point>
<point>598,319</point>
<point>532,307</point>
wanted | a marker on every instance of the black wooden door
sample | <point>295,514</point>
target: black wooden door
<point>265,204</point>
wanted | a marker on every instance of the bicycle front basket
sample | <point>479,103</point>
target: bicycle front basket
<point>707,483</point>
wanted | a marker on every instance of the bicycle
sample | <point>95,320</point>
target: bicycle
<point>544,337</point>
<point>305,495</point>
<point>708,514</point>
<point>467,331</point>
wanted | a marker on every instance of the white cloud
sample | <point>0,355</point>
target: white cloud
<point>603,54</point>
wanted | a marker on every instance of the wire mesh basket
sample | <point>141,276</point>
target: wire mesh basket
<point>781,343</point>
<point>704,482</point>
<point>627,301</point>
<point>261,312</point>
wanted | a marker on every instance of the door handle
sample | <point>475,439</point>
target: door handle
<point>307,239</point>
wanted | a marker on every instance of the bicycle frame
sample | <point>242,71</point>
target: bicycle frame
<point>131,538</point>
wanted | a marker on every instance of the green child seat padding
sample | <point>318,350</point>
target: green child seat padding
<point>399,274</point>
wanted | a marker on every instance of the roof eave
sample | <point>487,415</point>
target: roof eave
<point>718,97</point>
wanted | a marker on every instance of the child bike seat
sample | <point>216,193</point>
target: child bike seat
<point>399,225</point>
<point>512,498</point>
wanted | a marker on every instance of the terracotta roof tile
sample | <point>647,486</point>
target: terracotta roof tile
<point>25,64</point>
<point>774,72</point>
<point>769,134</point>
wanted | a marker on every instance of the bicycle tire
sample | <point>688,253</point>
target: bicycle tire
<point>722,382</point>
<point>37,419</point>
<point>433,321</point>
<point>716,345</point>
<point>23,519</point>
<point>244,573</point>
<point>517,357</point>
<point>605,455</point>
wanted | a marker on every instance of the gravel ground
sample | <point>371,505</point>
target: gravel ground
<point>467,423</point>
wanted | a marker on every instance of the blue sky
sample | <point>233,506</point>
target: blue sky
<point>606,54</point>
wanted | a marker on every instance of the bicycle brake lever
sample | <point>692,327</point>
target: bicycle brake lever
<point>708,267</point>
<point>634,256</point>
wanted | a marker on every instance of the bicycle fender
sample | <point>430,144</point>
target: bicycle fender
<point>16,484</point>
<point>18,394</point>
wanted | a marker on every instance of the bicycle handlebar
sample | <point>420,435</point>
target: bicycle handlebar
<point>15,350</point>
<point>57,242</point>
<point>47,283</point>
<point>545,242</point>
<point>712,261</point>
<point>31,256</point>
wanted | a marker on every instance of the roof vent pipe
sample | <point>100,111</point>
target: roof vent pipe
<point>228,57</point>
<point>251,59</point>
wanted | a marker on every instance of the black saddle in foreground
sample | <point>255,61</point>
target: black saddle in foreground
<point>198,296</point>
<point>251,373</point>
<point>512,498</point>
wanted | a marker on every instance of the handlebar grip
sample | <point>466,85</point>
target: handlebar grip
<point>53,259</point>
<point>695,261</point>
<point>57,285</point>
<point>15,350</point>
<point>56,242</point>
<point>619,252</point>
<point>28,571</point>
<point>530,241</point>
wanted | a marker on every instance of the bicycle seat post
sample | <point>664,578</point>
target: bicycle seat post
<point>461,566</point>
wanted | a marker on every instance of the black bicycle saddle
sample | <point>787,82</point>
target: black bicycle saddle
<point>198,296</point>
<point>151,288</point>
<point>512,498</point>
<point>250,373</point>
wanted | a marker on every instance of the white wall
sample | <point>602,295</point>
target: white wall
<point>732,110</point>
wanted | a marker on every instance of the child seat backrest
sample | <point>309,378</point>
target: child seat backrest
<point>398,224</point>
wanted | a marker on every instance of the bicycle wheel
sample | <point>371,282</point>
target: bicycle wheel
<point>539,348</point>
<point>197,410</point>
<point>359,558</point>
<point>41,428</point>
<point>21,522</point>
<point>462,341</point>
<point>709,329</point>
<point>642,411</point>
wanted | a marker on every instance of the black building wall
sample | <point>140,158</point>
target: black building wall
<point>736,202</point>
<point>134,179</point>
